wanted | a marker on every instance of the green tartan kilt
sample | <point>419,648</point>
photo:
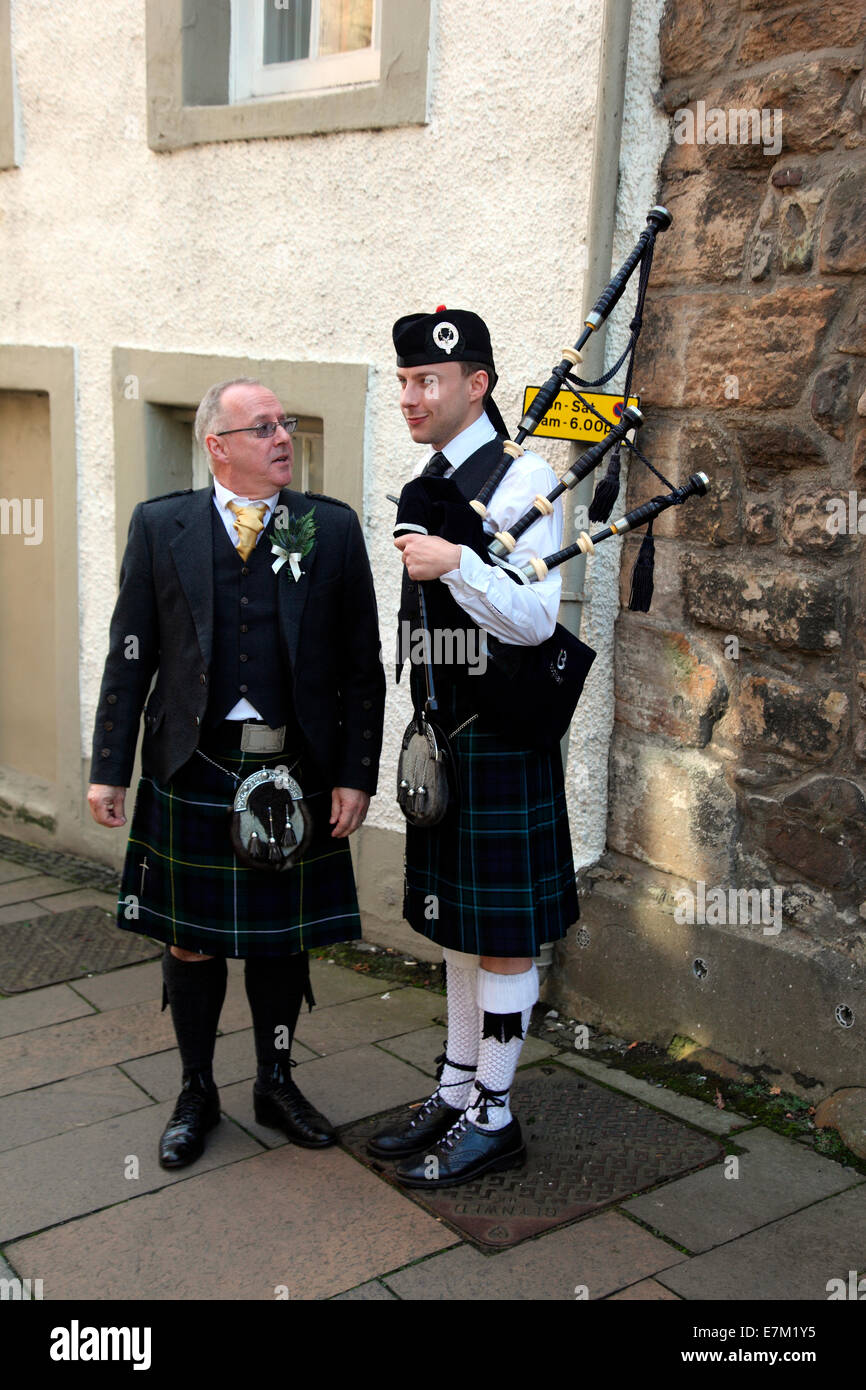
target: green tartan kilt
<point>183,885</point>
<point>496,876</point>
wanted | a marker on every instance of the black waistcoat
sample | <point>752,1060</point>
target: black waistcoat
<point>247,652</point>
<point>440,505</point>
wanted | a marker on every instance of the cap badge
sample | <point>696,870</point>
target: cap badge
<point>446,337</point>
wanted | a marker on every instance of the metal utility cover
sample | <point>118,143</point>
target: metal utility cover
<point>587,1147</point>
<point>65,946</point>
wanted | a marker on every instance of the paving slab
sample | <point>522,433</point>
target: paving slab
<point>335,984</point>
<point>695,1112</point>
<point>366,1293</point>
<point>313,1223</point>
<point>79,897</point>
<point>338,1027</point>
<point>73,1104</point>
<point>794,1258</point>
<point>133,984</point>
<point>82,1044</point>
<point>774,1177</point>
<point>21,1013</point>
<point>424,1045</point>
<point>360,1081</point>
<point>599,1255</point>
<point>33,886</point>
<point>643,1291</point>
<point>21,912</point>
<point>234,1060</point>
<point>10,871</point>
<point>81,1171</point>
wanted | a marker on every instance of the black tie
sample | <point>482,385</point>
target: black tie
<point>437,466</point>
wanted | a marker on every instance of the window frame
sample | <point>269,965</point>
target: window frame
<point>8,153</point>
<point>251,79</point>
<point>399,97</point>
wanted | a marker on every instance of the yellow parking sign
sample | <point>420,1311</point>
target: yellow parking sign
<point>568,418</point>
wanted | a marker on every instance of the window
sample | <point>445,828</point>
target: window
<point>250,69</point>
<point>302,45</point>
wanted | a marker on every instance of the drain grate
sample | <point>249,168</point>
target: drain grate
<point>587,1147</point>
<point>65,946</point>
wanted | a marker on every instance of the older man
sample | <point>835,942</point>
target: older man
<point>259,664</point>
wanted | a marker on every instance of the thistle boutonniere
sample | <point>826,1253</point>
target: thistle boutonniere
<point>292,542</point>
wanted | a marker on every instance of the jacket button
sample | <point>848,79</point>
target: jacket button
<point>245,570</point>
<point>243,657</point>
<point>202,679</point>
<point>106,753</point>
<point>197,720</point>
<point>112,699</point>
<point>244,627</point>
<point>365,762</point>
<point>367,704</point>
<point>108,725</point>
<point>368,733</point>
<point>243,689</point>
<point>244,602</point>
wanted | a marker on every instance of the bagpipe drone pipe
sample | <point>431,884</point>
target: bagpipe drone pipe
<point>530,693</point>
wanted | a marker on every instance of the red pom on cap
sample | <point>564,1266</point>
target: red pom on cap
<point>440,308</point>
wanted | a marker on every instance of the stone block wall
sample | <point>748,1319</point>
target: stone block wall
<point>739,748</point>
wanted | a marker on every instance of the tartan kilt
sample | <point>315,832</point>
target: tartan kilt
<point>498,868</point>
<point>194,893</point>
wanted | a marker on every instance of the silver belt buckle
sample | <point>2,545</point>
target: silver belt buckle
<point>261,738</point>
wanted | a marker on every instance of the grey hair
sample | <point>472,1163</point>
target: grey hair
<point>209,413</point>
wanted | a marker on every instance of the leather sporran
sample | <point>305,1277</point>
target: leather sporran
<point>425,779</point>
<point>271,824</point>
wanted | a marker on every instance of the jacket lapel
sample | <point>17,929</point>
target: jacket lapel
<point>291,594</point>
<point>192,551</point>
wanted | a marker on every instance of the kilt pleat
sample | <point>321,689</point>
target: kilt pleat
<point>183,885</point>
<point>496,875</point>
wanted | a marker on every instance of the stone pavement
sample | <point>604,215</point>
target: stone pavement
<point>88,1076</point>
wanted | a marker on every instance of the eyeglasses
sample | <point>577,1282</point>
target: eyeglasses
<point>268,430</point>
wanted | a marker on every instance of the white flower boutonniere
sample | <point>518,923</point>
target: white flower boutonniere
<point>292,542</point>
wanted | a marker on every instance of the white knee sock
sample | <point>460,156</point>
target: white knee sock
<point>497,1061</point>
<point>464,1027</point>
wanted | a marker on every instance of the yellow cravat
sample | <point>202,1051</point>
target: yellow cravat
<point>248,525</point>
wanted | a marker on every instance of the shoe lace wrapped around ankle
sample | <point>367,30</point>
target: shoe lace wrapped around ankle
<point>488,1097</point>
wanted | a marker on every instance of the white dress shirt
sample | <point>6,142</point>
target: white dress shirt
<point>222,496</point>
<point>520,614</point>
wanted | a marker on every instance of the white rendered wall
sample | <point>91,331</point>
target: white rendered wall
<point>309,248</point>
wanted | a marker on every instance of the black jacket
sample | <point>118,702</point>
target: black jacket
<point>328,625</point>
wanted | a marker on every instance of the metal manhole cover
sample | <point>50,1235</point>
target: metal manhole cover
<point>65,946</point>
<point>587,1147</point>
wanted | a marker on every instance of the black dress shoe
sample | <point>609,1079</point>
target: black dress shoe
<point>417,1133</point>
<point>279,1104</point>
<point>197,1110</point>
<point>464,1153</point>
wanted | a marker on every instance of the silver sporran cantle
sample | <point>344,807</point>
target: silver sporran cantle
<point>424,774</point>
<point>271,825</point>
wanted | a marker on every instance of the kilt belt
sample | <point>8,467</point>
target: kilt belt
<point>183,885</point>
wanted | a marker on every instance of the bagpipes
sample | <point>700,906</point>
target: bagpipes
<point>548,678</point>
